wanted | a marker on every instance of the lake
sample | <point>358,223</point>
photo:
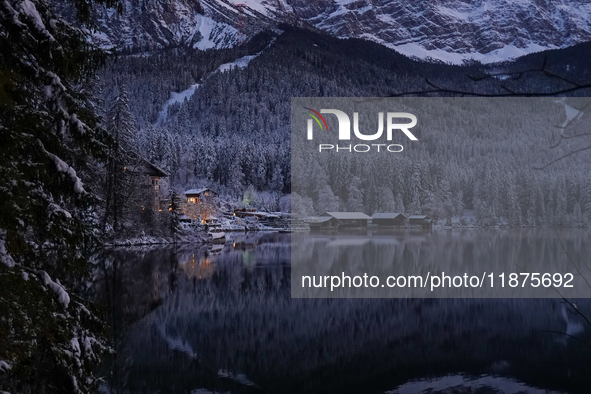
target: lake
<point>209,319</point>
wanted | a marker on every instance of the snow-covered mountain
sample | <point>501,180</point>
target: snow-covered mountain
<point>454,30</point>
<point>202,24</point>
<point>448,30</point>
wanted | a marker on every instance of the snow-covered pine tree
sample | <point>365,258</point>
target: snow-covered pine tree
<point>49,133</point>
<point>355,195</point>
<point>416,189</point>
<point>277,181</point>
<point>123,160</point>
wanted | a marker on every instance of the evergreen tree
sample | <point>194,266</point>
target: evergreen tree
<point>123,163</point>
<point>355,195</point>
<point>277,179</point>
<point>49,134</point>
<point>416,189</point>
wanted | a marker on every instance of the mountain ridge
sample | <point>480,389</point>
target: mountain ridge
<point>449,31</point>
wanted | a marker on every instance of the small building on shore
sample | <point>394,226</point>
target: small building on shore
<point>150,176</point>
<point>388,219</point>
<point>321,222</point>
<point>348,219</point>
<point>420,220</point>
<point>203,194</point>
<point>199,204</point>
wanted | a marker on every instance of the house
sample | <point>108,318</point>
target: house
<point>420,220</point>
<point>150,182</point>
<point>388,219</point>
<point>321,223</point>
<point>203,194</point>
<point>199,204</point>
<point>348,219</point>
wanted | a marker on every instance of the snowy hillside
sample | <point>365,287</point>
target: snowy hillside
<point>451,31</point>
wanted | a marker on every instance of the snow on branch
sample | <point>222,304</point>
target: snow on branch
<point>4,256</point>
<point>62,294</point>
<point>4,366</point>
<point>53,209</point>
<point>29,9</point>
<point>62,166</point>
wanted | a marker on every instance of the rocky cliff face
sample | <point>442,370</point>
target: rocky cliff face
<point>447,30</point>
<point>201,24</point>
<point>452,30</point>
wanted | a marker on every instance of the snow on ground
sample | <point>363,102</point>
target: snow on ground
<point>459,14</point>
<point>255,5</point>
<point>508,52</point>
<point>243,61</point>
<point>186,94</point>
<point>240,63</point>
<point>185,237</point>
<point>175,98</point>
<point>207,28</point>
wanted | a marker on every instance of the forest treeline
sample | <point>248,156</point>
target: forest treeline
<point>233,133</point>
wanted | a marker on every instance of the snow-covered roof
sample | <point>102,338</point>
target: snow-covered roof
<point>159,170</point>
<point>147,168</point>
<point>418,217</point>
<point>386,215</point>
<point>317,219</point>
<point>347,215</point>
<point>267,215</point>
<point>198,191</point>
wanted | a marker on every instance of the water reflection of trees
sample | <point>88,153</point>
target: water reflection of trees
<point>241,318</point>
<point>452,252</point>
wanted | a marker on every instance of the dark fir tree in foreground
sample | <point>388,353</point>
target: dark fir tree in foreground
<point>120,185</point>
<point>50,339</point>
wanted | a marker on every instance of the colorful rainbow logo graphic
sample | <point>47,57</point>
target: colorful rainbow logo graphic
<point>316,119</point>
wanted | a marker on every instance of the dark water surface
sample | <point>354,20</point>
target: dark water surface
<point>200,320</point>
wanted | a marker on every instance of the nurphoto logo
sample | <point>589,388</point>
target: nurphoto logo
<point>344,131</point>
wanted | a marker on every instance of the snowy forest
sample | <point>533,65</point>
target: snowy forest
<point>229,129</point>
<point>483,162</point>
<point>74,117</point>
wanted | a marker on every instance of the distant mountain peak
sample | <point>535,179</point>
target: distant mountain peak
<point>452,31</point>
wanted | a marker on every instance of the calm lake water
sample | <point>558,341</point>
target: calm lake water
<point>205,319</point>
